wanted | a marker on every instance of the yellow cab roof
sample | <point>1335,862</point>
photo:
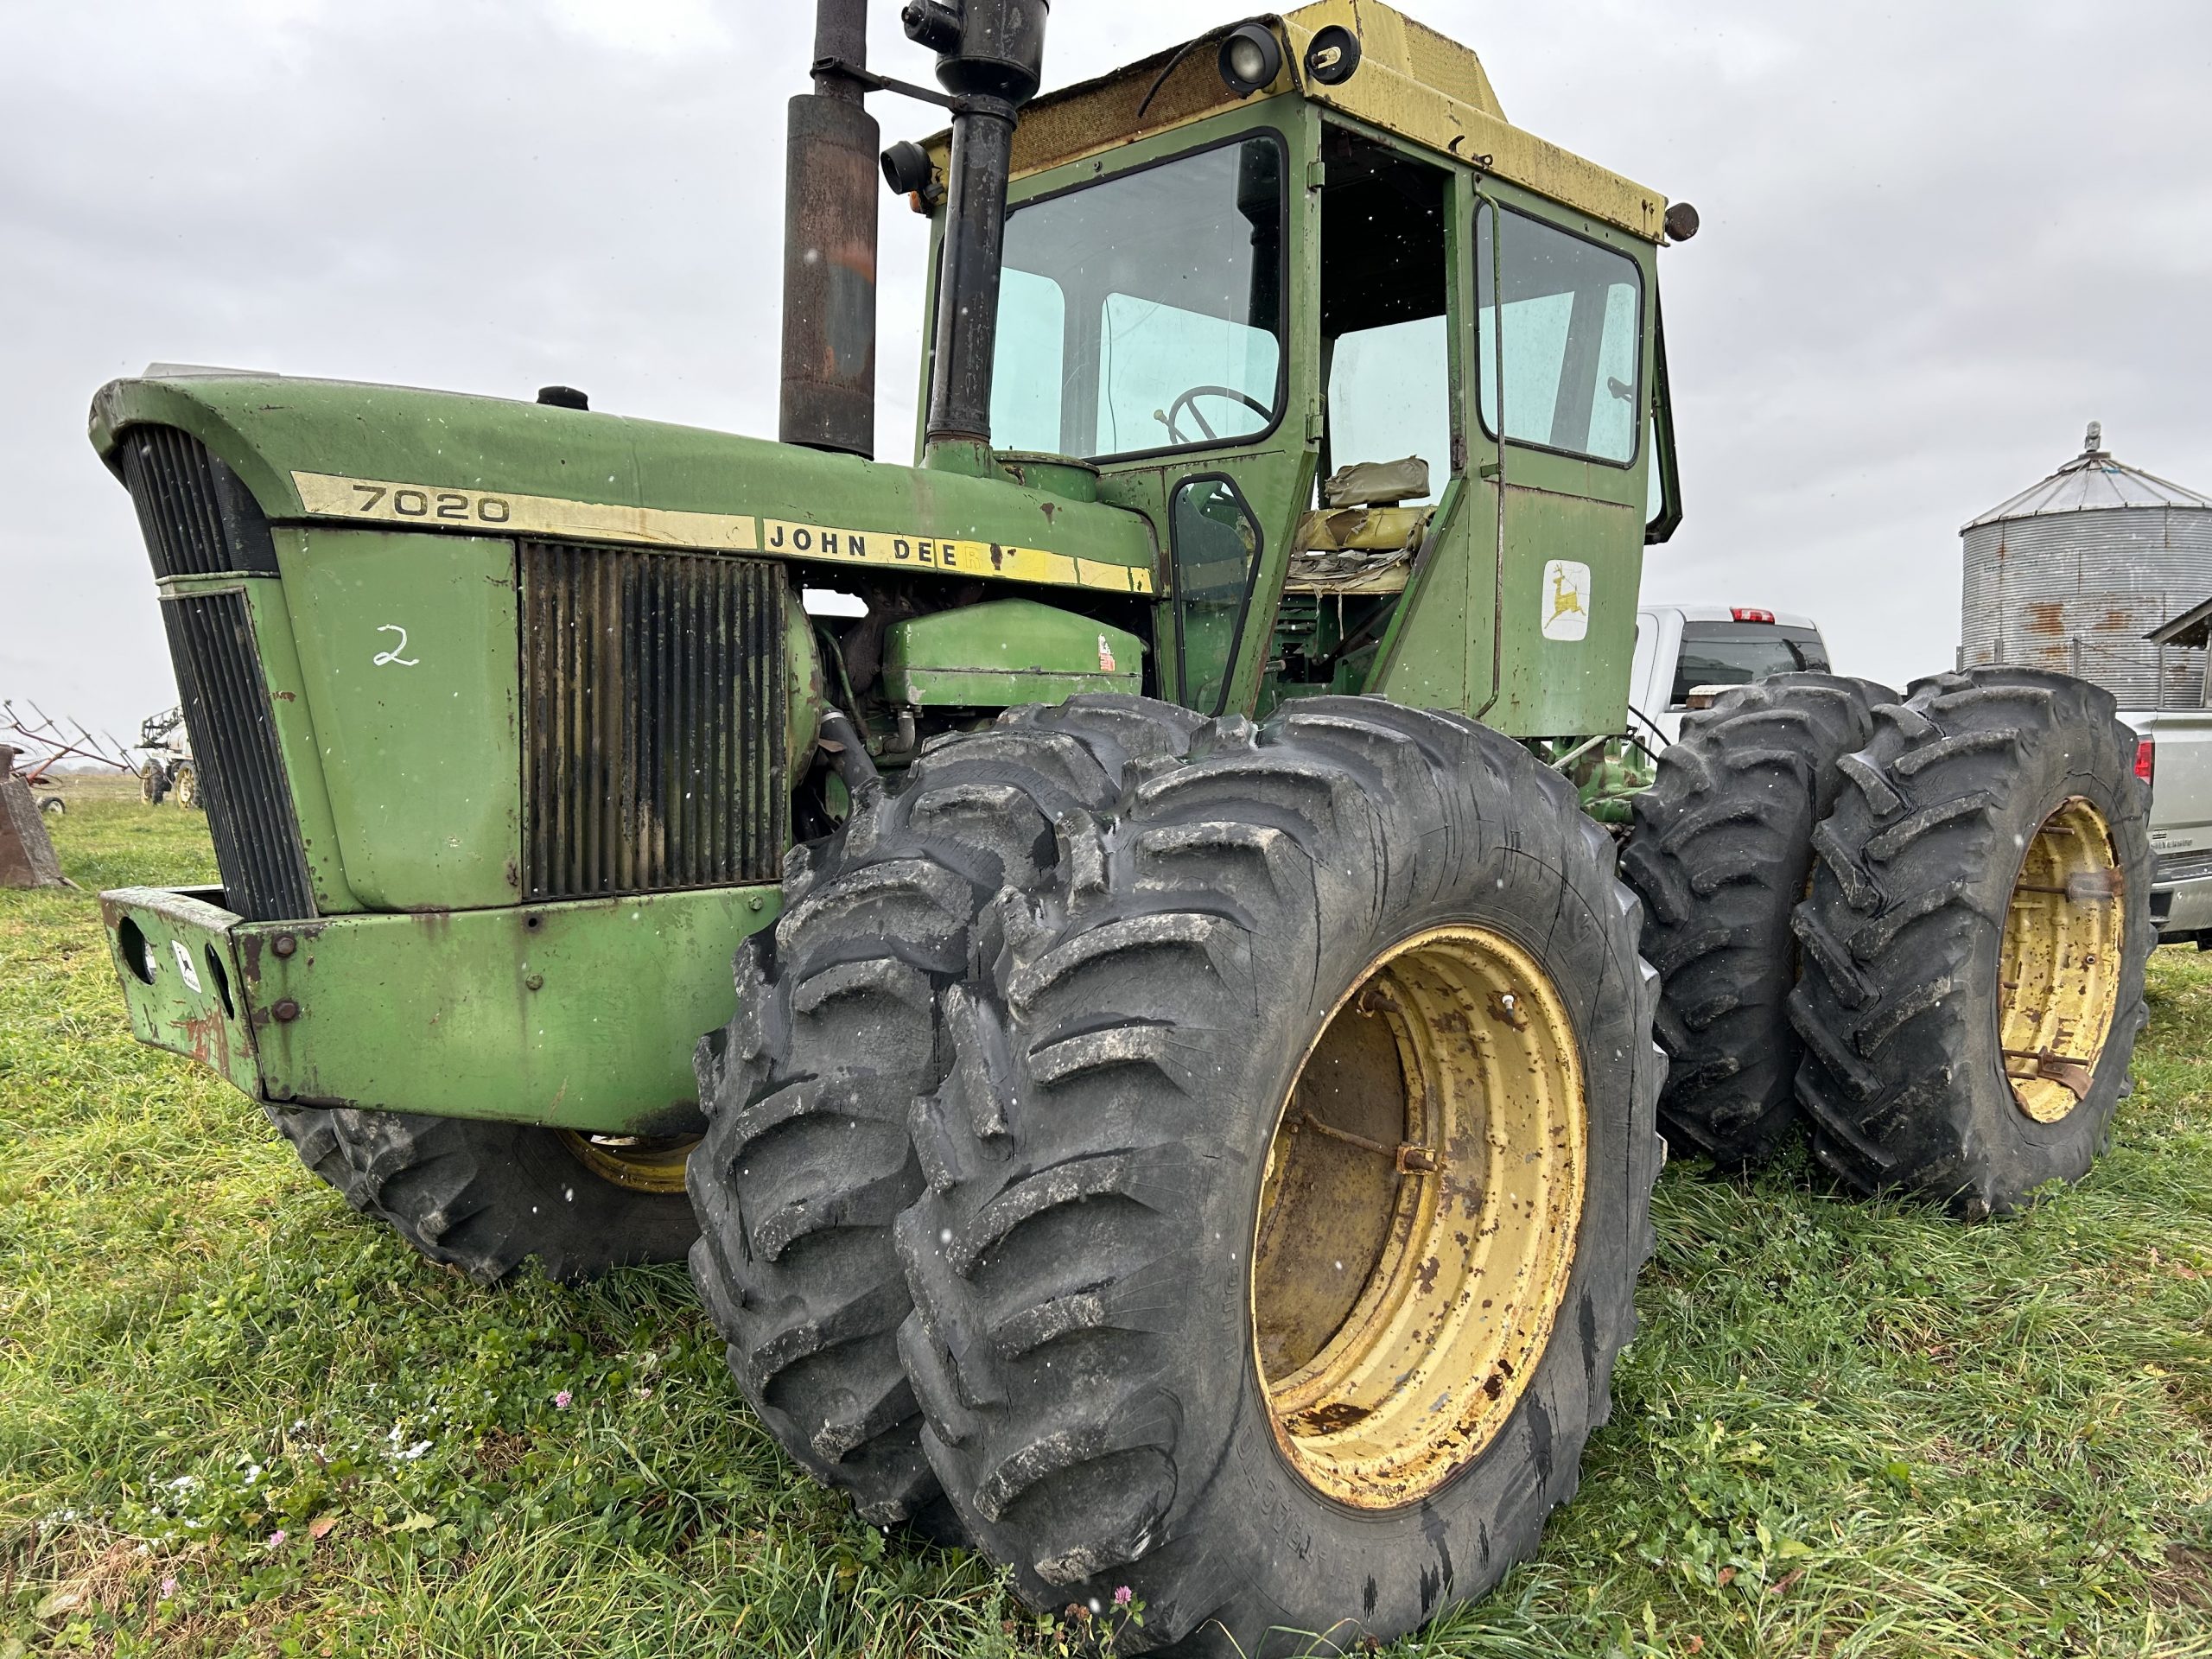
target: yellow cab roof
<point>1411,82</point>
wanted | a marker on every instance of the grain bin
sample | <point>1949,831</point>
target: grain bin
<point>2072,572</point>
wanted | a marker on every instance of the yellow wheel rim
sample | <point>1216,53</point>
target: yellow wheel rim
<point>1417,1217</point>
<point>642,1163</point>
<point>2058,969</point>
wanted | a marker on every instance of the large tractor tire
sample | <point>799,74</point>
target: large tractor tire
<point>806,1161</point>
<point>1720,854</point>
<point>1286,1194</point>
<point>184,783</point>
<point>153,784</point>
<point>485,1198</point>
<point>1976,934</point>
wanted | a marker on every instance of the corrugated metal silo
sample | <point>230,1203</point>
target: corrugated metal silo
<point>2071,575</point>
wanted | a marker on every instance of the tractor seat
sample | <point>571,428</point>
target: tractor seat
<point>1361,541</point>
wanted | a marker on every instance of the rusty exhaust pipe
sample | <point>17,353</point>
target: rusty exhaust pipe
<point>830,245</point>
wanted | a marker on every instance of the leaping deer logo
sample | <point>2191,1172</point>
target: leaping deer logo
<point>1566,600</point>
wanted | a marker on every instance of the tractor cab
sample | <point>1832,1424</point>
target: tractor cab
<point>1252,282</point>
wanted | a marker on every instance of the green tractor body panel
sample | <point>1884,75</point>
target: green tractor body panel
<point>511,710</point>
<point>420,766</point>
<point>1006,652</point>
<point>577,1016</point>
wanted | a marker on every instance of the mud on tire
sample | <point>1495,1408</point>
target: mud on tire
<point>806,1161</point>
<point>1975,939</point>
<point>485,1198</point>
<point>1721,852</point>
<point>1083,1342</point>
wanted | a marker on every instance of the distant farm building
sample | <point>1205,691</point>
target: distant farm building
<point>2074,572</point>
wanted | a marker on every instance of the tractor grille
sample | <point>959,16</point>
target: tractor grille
<point>2181,866</point>
<point>234,752</point>
<point>197,518</point>
<point>654,698</point>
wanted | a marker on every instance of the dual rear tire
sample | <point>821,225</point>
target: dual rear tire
<point>1915,930</point>
<point>1198,1159</point>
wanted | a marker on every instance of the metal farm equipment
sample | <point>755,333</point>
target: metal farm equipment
<point>49,743</point>
<point>1187,1108</point>
<point>166,767</point>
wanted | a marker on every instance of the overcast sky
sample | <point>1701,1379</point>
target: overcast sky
<point>1938,240</point>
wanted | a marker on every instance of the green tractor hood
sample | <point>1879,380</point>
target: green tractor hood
<point>498,705</point>
<point>393,457</point>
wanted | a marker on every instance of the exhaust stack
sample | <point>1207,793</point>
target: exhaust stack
<point>830,243</point>
<point>990,57</point>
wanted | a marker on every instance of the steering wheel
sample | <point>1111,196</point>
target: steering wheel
<point>1191,396</point>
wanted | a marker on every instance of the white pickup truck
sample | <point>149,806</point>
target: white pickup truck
<point>2173,753</point>
<point>1680,647</point>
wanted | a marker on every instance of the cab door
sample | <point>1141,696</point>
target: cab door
<point>1562,363</point>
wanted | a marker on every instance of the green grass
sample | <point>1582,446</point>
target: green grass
<point>1845,1429</point>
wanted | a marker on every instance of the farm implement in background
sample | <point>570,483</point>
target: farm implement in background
<point>45,746</point>
<point>165,767</point>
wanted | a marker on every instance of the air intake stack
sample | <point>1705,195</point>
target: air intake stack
<point>990,57</point>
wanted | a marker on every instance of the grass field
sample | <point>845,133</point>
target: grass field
<point>236,1418</point>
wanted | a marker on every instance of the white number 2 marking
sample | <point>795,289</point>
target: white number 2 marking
<point>384,658</point>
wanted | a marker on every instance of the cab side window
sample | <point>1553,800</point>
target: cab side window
<point>1564,355</point>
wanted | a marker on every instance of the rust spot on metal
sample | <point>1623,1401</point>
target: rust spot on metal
<point>208,1040</point>
<point>1374,999</point>
<point>1333,1418</point>
<point>2073,1076</point>
<point>2046,616</point>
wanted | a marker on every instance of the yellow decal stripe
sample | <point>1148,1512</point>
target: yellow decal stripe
<point>495,512</point>
<point>990,560</point>
<point>987,560</point>
<point>384,502</point>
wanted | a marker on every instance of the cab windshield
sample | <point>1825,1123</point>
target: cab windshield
<point>1144,313</point>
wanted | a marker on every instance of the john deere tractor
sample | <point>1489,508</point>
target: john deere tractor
<point>1185,1110</point>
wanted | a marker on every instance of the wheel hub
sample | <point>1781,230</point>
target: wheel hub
<point>642,1163</point>
<point>1417,1217</point>
<point>2058,967</point>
